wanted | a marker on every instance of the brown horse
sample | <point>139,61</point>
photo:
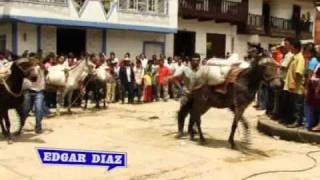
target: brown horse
<point>237,98</point>
<point>11,92</point>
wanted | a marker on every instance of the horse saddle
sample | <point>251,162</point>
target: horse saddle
<point>231,78</point>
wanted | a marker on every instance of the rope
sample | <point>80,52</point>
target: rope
<point>308,155</point>
<point>16,95</point>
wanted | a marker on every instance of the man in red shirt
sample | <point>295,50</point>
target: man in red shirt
<point>163,73</point>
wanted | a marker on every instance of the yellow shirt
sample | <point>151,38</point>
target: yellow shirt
<point>295,67</point>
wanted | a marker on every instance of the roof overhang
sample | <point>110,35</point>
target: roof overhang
<point>84,24</point>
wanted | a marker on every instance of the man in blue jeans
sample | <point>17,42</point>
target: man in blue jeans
<point>34,96</point>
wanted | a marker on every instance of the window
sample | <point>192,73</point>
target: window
<point>2,43</point>
<point>156,7</point>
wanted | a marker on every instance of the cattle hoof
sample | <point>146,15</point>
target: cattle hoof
<point>179,135</point>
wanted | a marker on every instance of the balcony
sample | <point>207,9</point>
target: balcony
<point>306,30</point>
<point>280,27</point>
<point>254,25</point>
<point>42,2</point>
<point>218,10</point>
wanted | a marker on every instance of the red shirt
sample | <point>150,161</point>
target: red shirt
<point>277,56</point>
<point>162,73</point>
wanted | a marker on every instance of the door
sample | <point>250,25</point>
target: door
<point>2,43</point>
<point>153,48</point>
<point>184,43</point>
<point>71,41</point>
<point>296,14</point>
<point>266,16</point>
<point>216,45</point>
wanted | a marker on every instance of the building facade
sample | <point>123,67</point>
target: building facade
<point>171,27</point>
<point>62,26</point>
<point>216,27</point>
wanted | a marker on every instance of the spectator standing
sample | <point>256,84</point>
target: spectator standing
<point>294,84</point>
<point>312,101</point>
<point>138,73</point>
<point>162,80</point>
<point>149,81</point>
<point>126,76</point>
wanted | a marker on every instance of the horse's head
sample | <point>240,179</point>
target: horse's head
<point>25,68</point>
<point>91,67</point>
<point>269,70</point>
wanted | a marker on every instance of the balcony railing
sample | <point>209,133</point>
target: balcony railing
<point>45,2</point>
<point>280,27</point>
<point>219,10</point>
<point>151,7</point>
<point>306,30</point>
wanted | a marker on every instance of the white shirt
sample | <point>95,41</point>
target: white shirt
<point>138,74</point>
<point>128,69</point>
<point>144,62</point>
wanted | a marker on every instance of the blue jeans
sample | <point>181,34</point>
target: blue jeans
<point>36,99</point>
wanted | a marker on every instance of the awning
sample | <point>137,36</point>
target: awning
<point>84,24</point>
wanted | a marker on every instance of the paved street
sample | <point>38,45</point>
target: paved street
<point>153,152</point>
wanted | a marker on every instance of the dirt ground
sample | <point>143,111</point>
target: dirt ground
<point>146,132</point>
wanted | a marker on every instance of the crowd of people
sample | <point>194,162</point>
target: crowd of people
<point>142,80</point>
<point>297,102</point>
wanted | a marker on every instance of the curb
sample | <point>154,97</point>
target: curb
<point>272,128</point>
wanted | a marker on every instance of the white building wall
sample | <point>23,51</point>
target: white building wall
<point>241,42</point>
<point>202,28</point>
<point>284,8</point>
<point>94,41</point>
<point>169,49</point>
<point>6,29</point>
<point>121,41</point>
<point>255,7</point>
<point>27,38</point>
<point>48,39</point>
<point>166,21</point>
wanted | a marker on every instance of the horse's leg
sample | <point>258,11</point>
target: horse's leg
<point>185,108</point>
<point>247,133</point>
<point>70,103</point>
<point>97,95</point>
<point>4,131</point>
<point>22,118</point>
<point>59,99</point>
<point>237,117</point>
<point>8,126</point>
<point>86,98</point>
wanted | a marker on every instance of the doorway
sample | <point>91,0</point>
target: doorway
<point>71,40</point>
<point>216,45</point>
<point>184,43</point>
<point>266,16</point>
<point>296,14</point>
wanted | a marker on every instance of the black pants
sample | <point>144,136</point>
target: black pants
<point>295,108</point>
<point>127,88</point>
